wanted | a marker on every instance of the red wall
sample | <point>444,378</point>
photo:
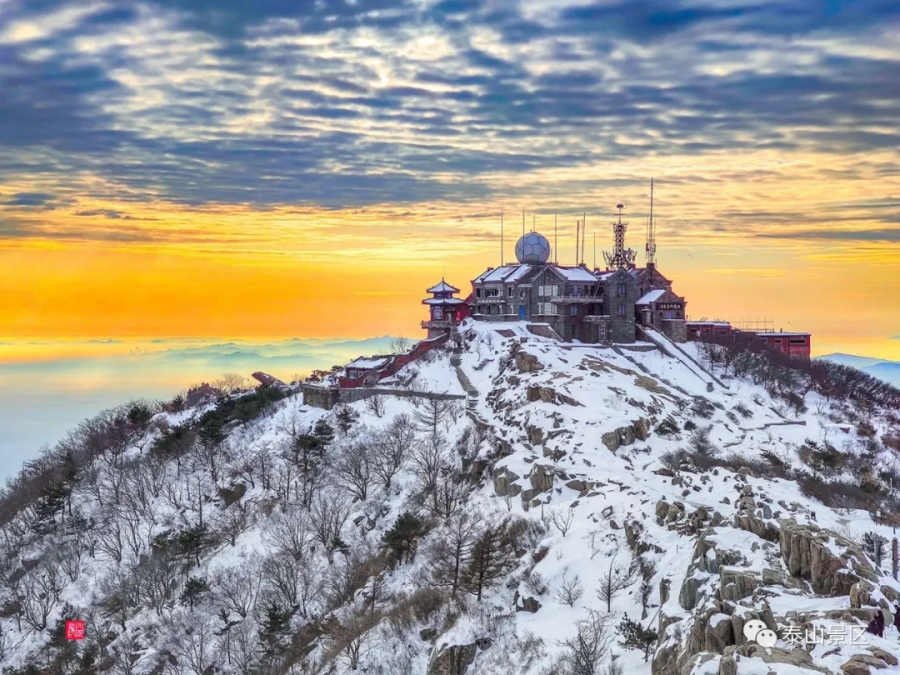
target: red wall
<point>783,344</point>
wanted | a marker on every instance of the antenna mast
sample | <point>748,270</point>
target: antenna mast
<point>523,222</point>
<point>555,257</point>
<point>577,239</point>
<point>501,239</point>
<point>583,232</point>
<point>620,258</point>
<point>651,233</point>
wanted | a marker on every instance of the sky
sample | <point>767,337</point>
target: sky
<point>305,169</point>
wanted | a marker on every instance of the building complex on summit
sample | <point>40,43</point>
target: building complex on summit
<point>578,303</point>
<point>619,304</point>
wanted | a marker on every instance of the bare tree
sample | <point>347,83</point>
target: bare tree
<point>234,521</point>
<point>157,579</point>
<point>40,594</point>
<point>376,405</point>
<point>449,494</point>
<point>282,580</point>
<point>562,520</point>
<point>392,447</point>
<point>430,457</point>
<point>231,383</point>
<point>290,532</point>
<point>615,580</point>
<point>450,554</point>
<point>127,651</point>
<point>354,468</point>
<point>584,652</point>
<point>242,647</point>
<point>352,636</point>
<point>195,644</point>
<point>570,590</point>
<point>400,345</point>
<point>119,594</point>
<point>329,514</point>
<point>236,589</point>
<point>431,414</point>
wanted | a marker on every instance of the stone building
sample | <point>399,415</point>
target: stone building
<point>578,303</point>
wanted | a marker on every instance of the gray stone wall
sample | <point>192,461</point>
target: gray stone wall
<point>362,393</point>
<point>621,328</point>
<point>675,329</point>
<point>320,397</point>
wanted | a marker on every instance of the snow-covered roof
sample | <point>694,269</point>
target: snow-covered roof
<point>780,334</point>
<point>507,273</point>
<point>652,296</point>
<point>443,287</point>
<point>363,363</point>
<point>444,301</point>
<point>577,274</point>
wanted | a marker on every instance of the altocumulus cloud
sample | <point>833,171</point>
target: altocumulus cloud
<point>341,104</point>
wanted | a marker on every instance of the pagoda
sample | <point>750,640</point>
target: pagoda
<point>446,311</point>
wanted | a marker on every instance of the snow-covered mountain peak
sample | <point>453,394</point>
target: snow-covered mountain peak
<point>567,509</point>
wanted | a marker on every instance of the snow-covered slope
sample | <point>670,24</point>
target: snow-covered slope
<point>581,484</point>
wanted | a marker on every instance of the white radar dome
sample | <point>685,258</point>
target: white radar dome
<point>532,249</point>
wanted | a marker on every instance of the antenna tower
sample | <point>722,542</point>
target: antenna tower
<point>620,258</point>
<point>651,233</point>
<point>501,239</point>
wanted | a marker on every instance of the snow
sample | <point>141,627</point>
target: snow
<point>364,363</point>
<point>576,274</point>
<point>581,533</point>
<point>443,287</point>
<point>652,296</point>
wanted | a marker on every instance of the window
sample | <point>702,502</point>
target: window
<point>621,290</point>
<point>620,310</point>
<point>438,314</point>
<point>492,292</point>
<point>477,292</point>
<point>509,291</point>
<point>549,291</point>
<point>546,308</point>
<point>522,294</point>
<point>573,310</point>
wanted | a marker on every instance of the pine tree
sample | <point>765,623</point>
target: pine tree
<point>635,636</point>
<point>194,589</point>
<point>401,538</point>
<point>275,626</point>
<point>493,555</point>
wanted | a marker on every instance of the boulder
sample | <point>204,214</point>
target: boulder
<point>736,584</point>
<point>233,494</point>
<point>528,605</point>
<point>266,380</point>
<point>503,480</point>
<point>527,363</point>
<point>887,657</point>
<point>541,478</point>
<point>861,594</point>
<point>807,555</point>
<point>452,660</point>
<point>579,485</point>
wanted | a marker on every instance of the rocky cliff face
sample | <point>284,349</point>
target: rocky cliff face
<point>578,487</point>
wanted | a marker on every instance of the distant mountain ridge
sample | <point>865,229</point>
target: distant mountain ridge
<point>889,371</point>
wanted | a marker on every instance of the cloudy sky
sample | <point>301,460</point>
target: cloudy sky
<point>297,168</point>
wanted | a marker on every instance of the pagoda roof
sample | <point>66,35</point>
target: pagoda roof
<point>443,287</point>
<point>443,301</point>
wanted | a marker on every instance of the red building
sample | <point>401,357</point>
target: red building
<point>705,330</point>
<point>792,344</point>
<point>445,310</point>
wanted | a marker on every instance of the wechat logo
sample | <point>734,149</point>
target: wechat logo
<point>756,631</point>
